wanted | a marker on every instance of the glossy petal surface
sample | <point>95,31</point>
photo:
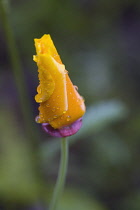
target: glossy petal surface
<point>76,107</point>
<point>57,103</point>
<point>60,103</point>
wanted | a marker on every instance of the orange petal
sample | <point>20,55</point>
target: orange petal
<point>76,107</point>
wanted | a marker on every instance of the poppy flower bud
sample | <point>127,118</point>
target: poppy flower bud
<point>61,107</point>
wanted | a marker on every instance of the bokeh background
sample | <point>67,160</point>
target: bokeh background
<point>99,43</point>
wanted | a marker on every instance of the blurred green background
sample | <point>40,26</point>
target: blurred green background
<point>98,42</point>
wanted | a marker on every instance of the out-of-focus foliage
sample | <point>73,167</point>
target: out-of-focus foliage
<point>99,44</point>
<point>18,180</point>
<point>97,118</point>
<point>73,199</point>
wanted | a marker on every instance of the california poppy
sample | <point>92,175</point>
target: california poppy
<point>60,103</point>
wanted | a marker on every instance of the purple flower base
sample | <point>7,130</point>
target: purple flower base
<point>63,132</point>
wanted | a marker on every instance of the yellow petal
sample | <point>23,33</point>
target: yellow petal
<point>57,104</point>
<point>61,105</point>
<point>46,86</point>
<point>45,45</point>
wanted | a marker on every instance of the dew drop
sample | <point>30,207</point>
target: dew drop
<point>55,116</point>
<point>49,119</point>
<point>68,118</point>
<point>64,112</point>
<point>37,119</point>
<point>76,88</point>
<point>82,98</point>
<point>53,109</point>
<point>47,105</point>
<point>43,120</point>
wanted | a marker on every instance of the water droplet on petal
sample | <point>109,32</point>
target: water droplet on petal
<point>55,116</point>
<point>37,119</point>
<point>43,120</point>
<point>68,118</point>
<point>49,119</point>
<point>76,88</point>
<point>82,98</point>
<point>53,109</point>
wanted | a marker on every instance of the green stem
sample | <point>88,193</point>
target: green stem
<point>61,174</point>
<point>17,70</point>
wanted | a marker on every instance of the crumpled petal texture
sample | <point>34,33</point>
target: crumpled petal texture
<point>63,132</point>
<point>60,103</point>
